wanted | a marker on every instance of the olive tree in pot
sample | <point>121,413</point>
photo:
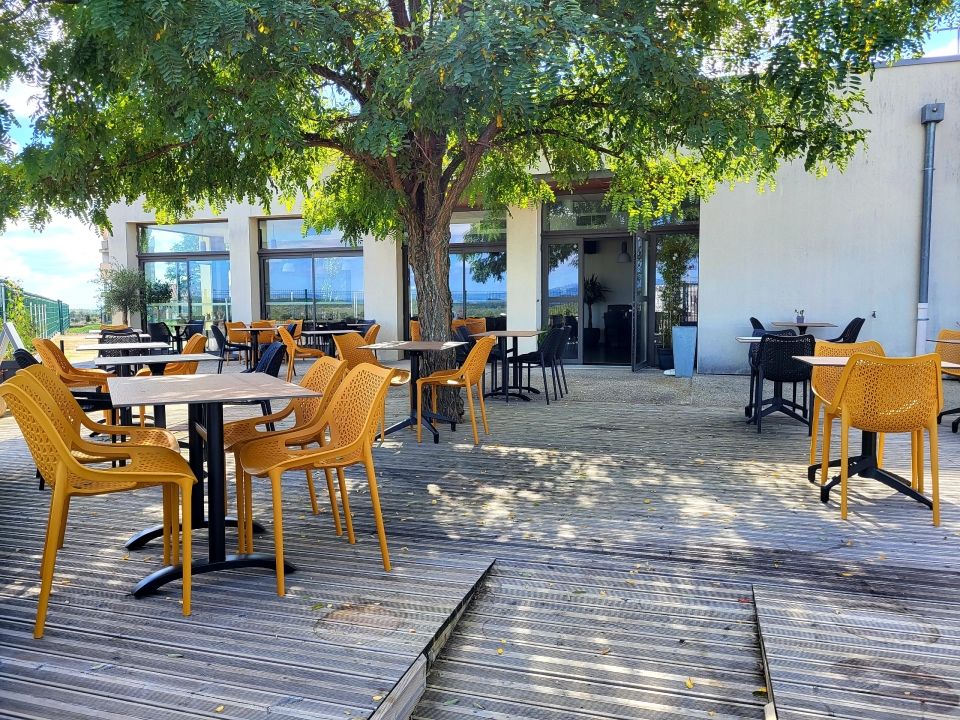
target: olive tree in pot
<point>675,253</point>
<point>594,291</point>
<point>122,290</point>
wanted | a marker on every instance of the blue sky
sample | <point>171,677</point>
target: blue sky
<point>60,261</point>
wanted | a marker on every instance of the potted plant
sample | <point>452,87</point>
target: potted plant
<point>675,253</point>
<point>594,291</point>
<point>799,314</point>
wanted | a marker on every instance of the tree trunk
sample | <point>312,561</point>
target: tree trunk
<point>429,254</point>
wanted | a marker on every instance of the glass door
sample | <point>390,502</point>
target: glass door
<point>563,282</point>
<point>639,356</point>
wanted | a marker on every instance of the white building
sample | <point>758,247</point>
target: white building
<point>840,246</point>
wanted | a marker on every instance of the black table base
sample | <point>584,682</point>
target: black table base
<point>140,539</point>
<point>411,420</point>
<point>865,465</point>
<point>503,391</point>
<point>153,582</point>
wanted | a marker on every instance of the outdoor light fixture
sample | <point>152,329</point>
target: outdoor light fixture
<point>623,257</point>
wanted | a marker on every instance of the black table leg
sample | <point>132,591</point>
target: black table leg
<point>503,392</point>
<point>217,558</point>
<point>411,420</point>
<point>865,465</point>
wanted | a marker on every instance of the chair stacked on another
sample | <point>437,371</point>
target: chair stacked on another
<point>295,351</point>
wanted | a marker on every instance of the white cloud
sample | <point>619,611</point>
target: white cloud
<point>60,261</point>
<point>20,97</point>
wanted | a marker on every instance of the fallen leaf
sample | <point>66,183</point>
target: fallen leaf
<point>219,708</point>
<point>689,683</point>
<point>744,600</point>
<point>377,698</point>
<point>605,651</point>
<point>451,701</point>
<point>499,651</point>
<point>760,692</point>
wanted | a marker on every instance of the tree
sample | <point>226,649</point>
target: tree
<point>427,104</point>
<point>675,255</point>
<point>17,312</point>
<point>122,290</point>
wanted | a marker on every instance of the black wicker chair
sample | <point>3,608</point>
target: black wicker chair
<point>851,332</point>
<point>160,332</point>
<point>116,337</point>
<point>775,362</point>
<point>752,358</point>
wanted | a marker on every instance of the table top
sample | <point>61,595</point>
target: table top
<point>747,339</point>
<point>191,389</point>
<point>827,361</point>
<point>414,345</point>
<point>945,341</point>
<point>326,332</point>
<point>124,346</point>
<point>805,324</point>
<point>98,333</point>
<point>249,328</point>
<point>509,333</point>
<point>154,359</point>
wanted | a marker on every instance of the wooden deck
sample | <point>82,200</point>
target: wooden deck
<point>635,547</point>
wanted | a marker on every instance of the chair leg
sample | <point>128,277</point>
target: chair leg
<point>63,525</point>
<point>814,427</point>
<point>920,461</point>
<point>186,493</point>
<point>375,502</point>
<point>334,508</point>
<point>546,390</point>
<point>483,410</point>
<point>167,527</point>
<point>934,471</point>
<point>758,400</point>
<point>881,438</point>
<point>553,377</point>
<point>278,529</point>
<point>825,462</point>
<point>419,412</point>
<point>844,469</point>
<point>563,374</point>
<point>54,520</point>
<point>473,414</point>
<point>345,501</point>
<point>312,491</point>
<point>241,509</point>
<point>248,513</point>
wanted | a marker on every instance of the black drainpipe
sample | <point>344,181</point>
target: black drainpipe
<point>930,115</point>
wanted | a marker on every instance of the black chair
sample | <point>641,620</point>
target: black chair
<point>269,363</point>
<point>115,337</point>
<point>757,325</point>
<point>160,332</point>
<point>616,326</point>
<point>543,357</point>
<point>851,332</point>
<point>224,346</point>
<point>558,356</point>
<point>24,358</point>
<point>776,362</point>
<point>752,358</point>
<point>365,325</point>
<point>461,334</point>
<point>188,331</point>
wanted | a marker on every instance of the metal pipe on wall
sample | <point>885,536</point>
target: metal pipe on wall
<point>930,115</point>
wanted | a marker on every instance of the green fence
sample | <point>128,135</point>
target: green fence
<point>47,317</point>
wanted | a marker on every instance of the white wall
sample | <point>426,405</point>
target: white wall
<point>523,272</point>
<point>383,288</point>
<point>844,245</point>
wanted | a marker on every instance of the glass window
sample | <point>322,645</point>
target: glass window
<point>288,234</point>
<point>339,286</point>
<point>188,290</point>
<point>478,226</point>
<point>288,288</point>
<point>485,284</point>
<point>183,238</point>
<point>580,212</point>
<point>314,287</point>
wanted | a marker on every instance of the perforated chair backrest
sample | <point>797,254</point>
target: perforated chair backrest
<point>323,376</point>
<point>775,357</point>
<point>159,332</point>
<point>288,342</point>
<point>370,334</point>
<point>753,353</point>
<point>233,335</point>
<point>476,362</point>
<point>115,327</point>
<point>348,347</point>
<point>195,345</point>
<point>263,337</point>
<point>120,338</point>
<point>949,351</point>
<point>824,380</point>
<point>415,331</point>
<point>356,406</point>
<point>24,358</point>
<point>48,382</point>
<point>52,356</point>
<point>891,395</point>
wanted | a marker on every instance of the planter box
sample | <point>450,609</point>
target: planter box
<point>665,358</point>
<point>684,349</point>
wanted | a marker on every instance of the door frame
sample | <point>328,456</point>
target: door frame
<point>644,307</point>
<point>545,285</point>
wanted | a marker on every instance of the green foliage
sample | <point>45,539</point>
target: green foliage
<point>157,292</point>
<point>675,255</point>
<point>122,290</point>
<point>594,291</point>
<point>17,313</point>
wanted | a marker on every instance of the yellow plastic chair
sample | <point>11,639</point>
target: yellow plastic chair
<point>324,376</point>
<point>295,351</point>
<point>351,420</point>
<point>194,346</point>
<point>950,352</point>
<point>349,349</point>
<point>370,336</point>
<point>824,381</point>
<point>268,335</point>
<point>468,375</point>
<point>53,443</point>
<point>237,337</point>
<point>115,327</point>
<point>415,331</point>
<point>889,395</point>
<point>52,357</point>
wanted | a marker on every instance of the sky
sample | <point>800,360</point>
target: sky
<point>61,260</point>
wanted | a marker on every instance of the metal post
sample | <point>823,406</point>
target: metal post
<point>930,115</point>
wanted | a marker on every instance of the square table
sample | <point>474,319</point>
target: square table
<point>505,386</point>
<point>416,348</point>
<point>254,355</point>
<point>125,348</point>
<point>205,396</point>
<point>864,464</point>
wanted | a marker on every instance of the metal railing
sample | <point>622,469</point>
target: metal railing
<point>47,316</point>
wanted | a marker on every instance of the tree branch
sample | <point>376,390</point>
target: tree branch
<point>340,80</point>
<point>473,154</point>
